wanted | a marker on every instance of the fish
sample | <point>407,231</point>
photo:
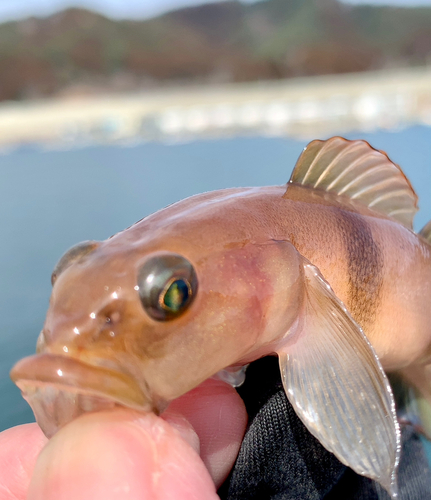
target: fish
<point>324,272</point>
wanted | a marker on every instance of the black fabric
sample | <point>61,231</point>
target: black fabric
<point>279,459</point>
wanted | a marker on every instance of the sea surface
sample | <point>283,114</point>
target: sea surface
<point>50,200</point>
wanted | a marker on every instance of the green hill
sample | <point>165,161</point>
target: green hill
<point>81,51</point>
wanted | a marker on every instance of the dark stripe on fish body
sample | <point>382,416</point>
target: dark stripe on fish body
<point>364,266</point>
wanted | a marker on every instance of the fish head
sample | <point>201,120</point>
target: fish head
<point>145,316</point>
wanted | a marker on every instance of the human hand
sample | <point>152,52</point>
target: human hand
<point>122,454</point>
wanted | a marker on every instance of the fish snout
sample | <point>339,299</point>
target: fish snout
<point>82,366</point>
<point>80,330</point>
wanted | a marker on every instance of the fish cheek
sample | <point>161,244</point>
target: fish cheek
<point>259,291</point>
<point>223,321</point>
<point>249,297</point>
<point>152,340</point>
<point>246,298</point>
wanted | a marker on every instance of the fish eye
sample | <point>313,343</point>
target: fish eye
<point>72,255</point>
<point>167,286</point>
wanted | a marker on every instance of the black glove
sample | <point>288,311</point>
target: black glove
<point>279,459</point>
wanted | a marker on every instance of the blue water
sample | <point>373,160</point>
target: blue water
<point>51,200</point>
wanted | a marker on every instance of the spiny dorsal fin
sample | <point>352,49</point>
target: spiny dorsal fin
<point>425,232</point>
<point>356,170</point>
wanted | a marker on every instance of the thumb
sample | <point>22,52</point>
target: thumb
<point>119,455</point>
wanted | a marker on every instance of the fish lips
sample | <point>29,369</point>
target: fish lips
<point>59,389</point>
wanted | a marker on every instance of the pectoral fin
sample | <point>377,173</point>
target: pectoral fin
<point>336,384</point>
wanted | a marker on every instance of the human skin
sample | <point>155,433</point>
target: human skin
<point>123,454</point>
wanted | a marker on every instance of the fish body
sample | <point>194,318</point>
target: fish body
<point>326,272</point>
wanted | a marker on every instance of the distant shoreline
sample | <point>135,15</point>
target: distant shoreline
<point>301,107</point>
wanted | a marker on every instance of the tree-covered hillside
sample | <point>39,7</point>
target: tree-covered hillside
<point>82,51</point>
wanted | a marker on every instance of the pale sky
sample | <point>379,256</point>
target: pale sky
<point>15,9</point>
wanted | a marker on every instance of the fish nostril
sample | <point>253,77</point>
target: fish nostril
<point>112,318</point>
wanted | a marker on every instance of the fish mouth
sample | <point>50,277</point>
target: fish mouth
<point>59,389</point>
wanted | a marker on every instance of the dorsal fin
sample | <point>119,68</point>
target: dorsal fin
<point>360,172</point>
<point>425,232</point>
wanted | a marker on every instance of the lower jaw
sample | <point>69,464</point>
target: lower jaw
<point>55,407</point>
<point>60,389</point>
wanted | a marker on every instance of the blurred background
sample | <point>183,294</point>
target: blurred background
<point>112,109</point>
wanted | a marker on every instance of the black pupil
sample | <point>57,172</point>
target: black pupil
<point>176,296</point>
